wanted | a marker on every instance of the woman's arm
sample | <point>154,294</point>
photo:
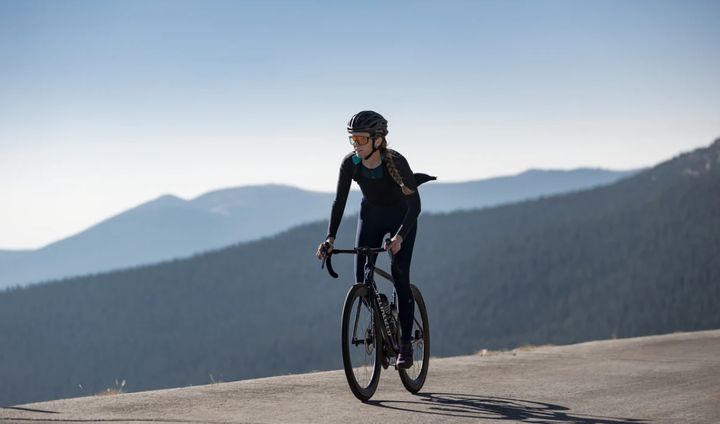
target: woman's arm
<point>341,196</point>
<point>413,200</point>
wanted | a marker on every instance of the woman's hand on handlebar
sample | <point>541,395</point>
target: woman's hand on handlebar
<point>321,249</point>
<point>395,244</point>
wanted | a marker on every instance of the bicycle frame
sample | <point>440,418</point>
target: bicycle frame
<point>369,272</point>
<point>369,281</point>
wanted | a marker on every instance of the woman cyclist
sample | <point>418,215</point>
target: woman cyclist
<point>390,204</point>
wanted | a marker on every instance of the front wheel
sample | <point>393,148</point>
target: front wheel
<point>413,378</point>
<point>361,343</point>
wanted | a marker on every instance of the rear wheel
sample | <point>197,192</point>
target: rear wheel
<point>361,343</point>
<point>413,378</point>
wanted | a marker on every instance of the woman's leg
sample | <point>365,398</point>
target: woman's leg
<point>369,233</point>
<point>406,304</point>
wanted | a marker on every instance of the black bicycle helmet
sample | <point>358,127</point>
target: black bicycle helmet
<point>368,121</point>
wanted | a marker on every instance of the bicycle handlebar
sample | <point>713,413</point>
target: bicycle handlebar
<point>358,250</point>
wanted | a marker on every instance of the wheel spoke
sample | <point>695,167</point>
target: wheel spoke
<point>413,378</point>
<point>361,344</point>
<point>418,345</point>
<point>362,353</point>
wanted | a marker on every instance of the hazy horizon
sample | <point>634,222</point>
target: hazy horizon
<point>106,105</point>
<point>191,198</point>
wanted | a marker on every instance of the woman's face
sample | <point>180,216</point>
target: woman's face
<point>364,150</point>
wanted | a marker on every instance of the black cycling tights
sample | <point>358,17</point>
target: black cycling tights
<point>374,222</point>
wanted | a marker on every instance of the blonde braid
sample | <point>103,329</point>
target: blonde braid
<point>394,173</point>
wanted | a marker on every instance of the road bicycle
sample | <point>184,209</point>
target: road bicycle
<point>371,330</point>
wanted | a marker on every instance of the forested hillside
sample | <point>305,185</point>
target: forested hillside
<point>636,258</point>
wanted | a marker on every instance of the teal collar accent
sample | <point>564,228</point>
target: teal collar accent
<point>357,159</point>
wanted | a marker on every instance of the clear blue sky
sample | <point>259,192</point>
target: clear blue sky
<point>108,104</point>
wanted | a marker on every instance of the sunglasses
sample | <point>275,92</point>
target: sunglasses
<point>360,140</point>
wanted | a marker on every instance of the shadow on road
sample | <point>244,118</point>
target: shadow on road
<point>493,408</point>
<point>29,410</point>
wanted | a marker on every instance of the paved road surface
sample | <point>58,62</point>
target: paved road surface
<point>662,379</point>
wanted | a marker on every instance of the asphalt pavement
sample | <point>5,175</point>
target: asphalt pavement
<point>671,378</point>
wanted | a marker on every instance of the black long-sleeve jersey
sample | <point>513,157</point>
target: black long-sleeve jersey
<point>381,192</point>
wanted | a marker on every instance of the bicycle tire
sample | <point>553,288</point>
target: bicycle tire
<point>357,303</point>
<point>414,378</point>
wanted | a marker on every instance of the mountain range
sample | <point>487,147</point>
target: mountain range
<point>170,227</point>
